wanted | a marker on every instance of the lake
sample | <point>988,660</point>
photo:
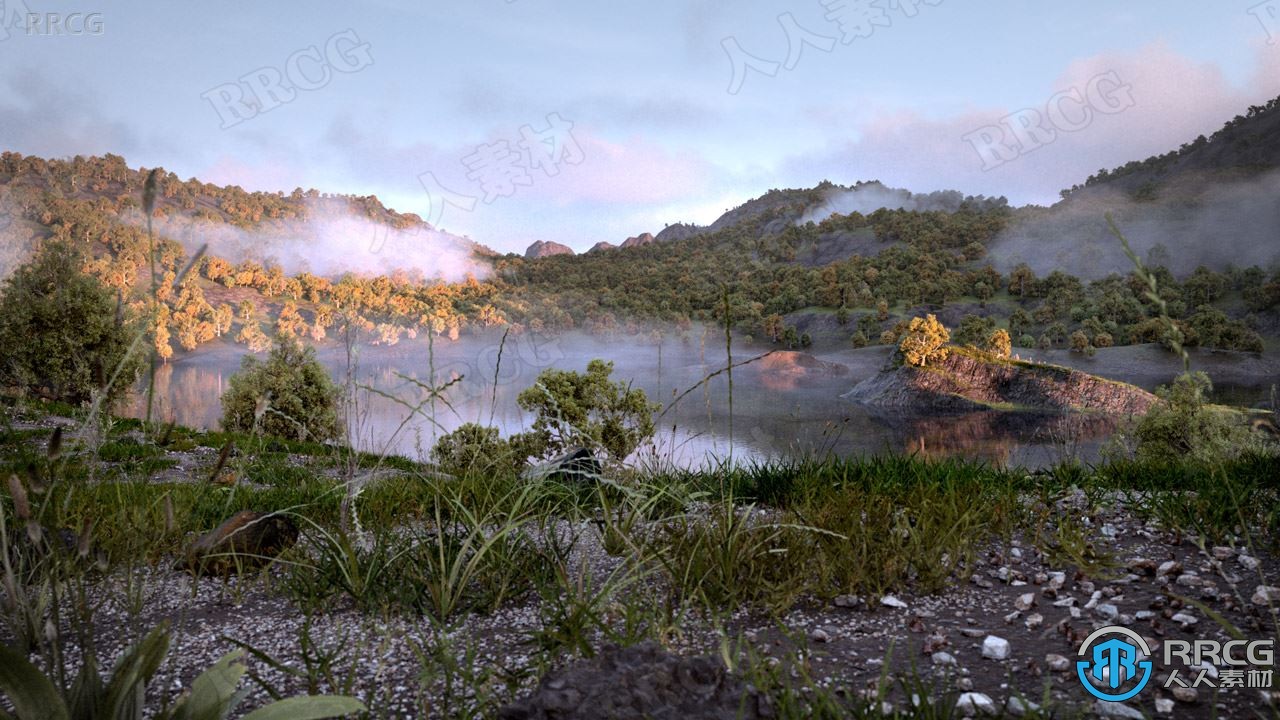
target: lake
<point>783,405</point>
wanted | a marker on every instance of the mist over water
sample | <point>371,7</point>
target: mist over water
<point>785,406</point>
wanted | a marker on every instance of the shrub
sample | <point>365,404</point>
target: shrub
<point>924,341</point>
<point>1186,425</point>
<point>585,409</point>
<point>474,448</point>
<point>63,332</point>
<point>288,395</point>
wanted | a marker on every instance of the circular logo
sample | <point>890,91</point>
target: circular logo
<point>1111,668</point>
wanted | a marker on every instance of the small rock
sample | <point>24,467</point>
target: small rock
<point>964,684</point>
<point>1008,619</point>
<point>1025,601</point>
<point>1017,707</point>
<point>1034,621</point>
<point>973,632</point>
<point>1057,663</point>
<point>1144,615</point>
<point>1164,706</point>
<point>972,703</point>
<point>893,602</point>
<point>1248,562</point>
<point>1266,595</point>
<point>847,601</point>
<point>1189,580</point>
<point>1169,567</point>
<point>1057,580</point>
<point>1116,710</point>
<point>822,635</point>
<point>995,648</point>
<point>1107,611</point>
<point>1065,602</point>
<point>1185,694</point>
<point>944,658</point>
<point>1184,620</point>
<point>1221,552</point>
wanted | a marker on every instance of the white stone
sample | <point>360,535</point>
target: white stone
<point>1184,619</point>
<point>944,658</point>
<point>893,602</point>
<point>972,703</point>
<point>1057,663</point>
<point>1026,601</point>
<point>1185,694</point>
<point>1108,611</point>
<point>1017,707</point>
<point>996,648</point>
<point>1164,706</point>
<point>1248,562</point>
<point>1116,710</point>
<point>1266,595</point>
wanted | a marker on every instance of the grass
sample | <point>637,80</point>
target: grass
<point>689,544</point>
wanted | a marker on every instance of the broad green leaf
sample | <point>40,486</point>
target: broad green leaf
<point>212,692</point>
<point>305,707</point>
<point>32,694</point>
<point>126,690</point>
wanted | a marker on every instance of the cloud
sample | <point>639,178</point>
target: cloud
<point>1174,99</point>
<point>48,119</point>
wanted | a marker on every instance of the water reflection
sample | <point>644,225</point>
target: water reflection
<point>785,405</point>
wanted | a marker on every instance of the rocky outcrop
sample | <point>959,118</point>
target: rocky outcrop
<point>546,248</point>
<point>601,247</point>
<point>679,231</point>
<point>638,240</point>
<point>643,681</point>
<point>785,370</point>
<point>247,540</point>
<point>577,465</point>
<point>969,380</point>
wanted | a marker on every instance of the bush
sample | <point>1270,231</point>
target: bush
<point>474,448</point>
<point>1186,425</point>
<point>585,410</point>
<point>288,395</point>
<point>63,332</point>
<point>924,341</point>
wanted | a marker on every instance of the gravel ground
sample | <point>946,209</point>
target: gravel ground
<point>1010,630</point>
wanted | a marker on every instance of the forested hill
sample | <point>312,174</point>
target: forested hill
<point>825,265</point>
<point>1246,145</point>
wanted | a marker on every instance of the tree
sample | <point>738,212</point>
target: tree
<point>63,332</point>
<point>999,343</point>
<point>925,341</point>
<point>586,410</point>
<point>1080,343</point>
<point>289,394</point>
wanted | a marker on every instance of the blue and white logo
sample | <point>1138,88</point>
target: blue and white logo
<point>1111,668</point>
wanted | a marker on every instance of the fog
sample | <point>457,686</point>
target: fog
<point>1231,223</point>
<point>787,405</point>
<point>868,197</point>
<point>328,244</point>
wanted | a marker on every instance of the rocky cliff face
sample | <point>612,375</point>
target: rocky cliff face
<point>602,246</point>
<point>968,379</point>
<point>638,240</point>
<point>547,248</point>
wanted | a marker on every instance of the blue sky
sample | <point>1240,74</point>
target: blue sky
<point>658,137</point>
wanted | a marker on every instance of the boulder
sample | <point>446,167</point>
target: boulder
<point>642,681</point>
<point>546,248</point>
<point>246,541</point>
<point>578,465</point>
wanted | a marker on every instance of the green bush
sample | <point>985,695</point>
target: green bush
<point>289,395</point>
<point>585,409</point>
<point>1184,424</point>
<point>474,448</point>
<point>63,332</point>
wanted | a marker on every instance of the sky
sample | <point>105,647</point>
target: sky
<point>511,121</point>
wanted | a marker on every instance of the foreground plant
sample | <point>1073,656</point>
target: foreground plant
<point>212,696</point>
